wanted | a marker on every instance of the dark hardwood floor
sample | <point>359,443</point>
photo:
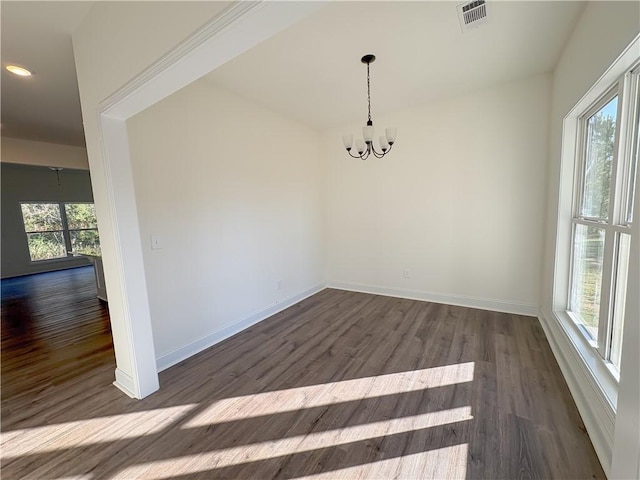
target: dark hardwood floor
<point>53,329</point>
<point>341,385</point>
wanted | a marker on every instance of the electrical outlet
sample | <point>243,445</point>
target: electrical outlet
<point>406,273</point>
<point>279,285</point>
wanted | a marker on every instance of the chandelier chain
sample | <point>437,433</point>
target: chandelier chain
<point>368,92</point>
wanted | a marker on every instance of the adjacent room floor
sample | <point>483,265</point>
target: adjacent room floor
<point>54,328</point>
<point>341,385</point>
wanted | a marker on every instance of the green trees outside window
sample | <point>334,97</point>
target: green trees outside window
<point>53,229</point>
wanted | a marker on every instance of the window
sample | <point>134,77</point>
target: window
<point>82,227</point>
<point>43,225</point>
<point>607,156</point>
<point>54,229</point>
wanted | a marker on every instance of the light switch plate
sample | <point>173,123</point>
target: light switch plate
<point>156,242</point>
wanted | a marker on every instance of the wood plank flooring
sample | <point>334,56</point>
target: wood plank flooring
<point>341,385</point>
<point>53,329</point>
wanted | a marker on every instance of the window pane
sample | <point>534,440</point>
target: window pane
<point>601,130</point>
<point>588,249</point>
<point>622,272</point>
<point>41,217</point>
<point>81,215</point>
<point>85,241</point>
<point>43,246</point>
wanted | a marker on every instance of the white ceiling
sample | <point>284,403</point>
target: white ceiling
<point>45,106</point>
<point>312,71</point>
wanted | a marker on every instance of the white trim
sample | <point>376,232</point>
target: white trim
<point>122,101</point>
<point>626,448</point>
<point>625,61</point>
<point>176,356</point>
<point>459,300</point>
<point>125,383</point>
<point>238,28</point>
<point>595,408</point>
<point>133,315</point>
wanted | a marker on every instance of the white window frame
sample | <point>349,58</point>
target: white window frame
<point>606,224</point>
<point>601,373</point>
<point>616,223</point>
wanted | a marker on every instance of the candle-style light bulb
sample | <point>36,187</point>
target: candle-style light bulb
<point>384,145</point>
<point>367,133</point>
<point>347,139</point>
<point>391,134</point>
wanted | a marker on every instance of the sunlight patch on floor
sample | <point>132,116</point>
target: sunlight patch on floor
<point>279,401</point>
<point>203,462</point>
<point>89,431</point>
<point>448,462</point>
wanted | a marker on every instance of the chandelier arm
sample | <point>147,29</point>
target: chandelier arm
<point>378,154</point>
<point>352,155</point>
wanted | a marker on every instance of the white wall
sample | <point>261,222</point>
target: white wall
<point>459,201</point>
<point>115,42</point>
<point>29,152</point>
<point>128,57</point>
<point>601,34</point>
<point>234,191</point>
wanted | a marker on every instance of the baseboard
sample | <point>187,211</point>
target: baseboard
<point>51,267</point>
<point>176,356</point>
<point>125,383</point>
<point>596,412</point>
<point>459,300</point>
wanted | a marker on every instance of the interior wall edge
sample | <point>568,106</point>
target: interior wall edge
<point>448,299</point>
<point>592,405</point>
<point>180,354</point>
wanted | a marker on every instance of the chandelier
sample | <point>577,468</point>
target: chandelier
<point>366,147</point>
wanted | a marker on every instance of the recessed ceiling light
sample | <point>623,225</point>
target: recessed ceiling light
<point>21,71</point>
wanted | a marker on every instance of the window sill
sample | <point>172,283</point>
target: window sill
<point>53,260</point>
<point>603,373</point>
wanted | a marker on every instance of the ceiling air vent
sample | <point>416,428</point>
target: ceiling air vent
<point>472,14</point>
